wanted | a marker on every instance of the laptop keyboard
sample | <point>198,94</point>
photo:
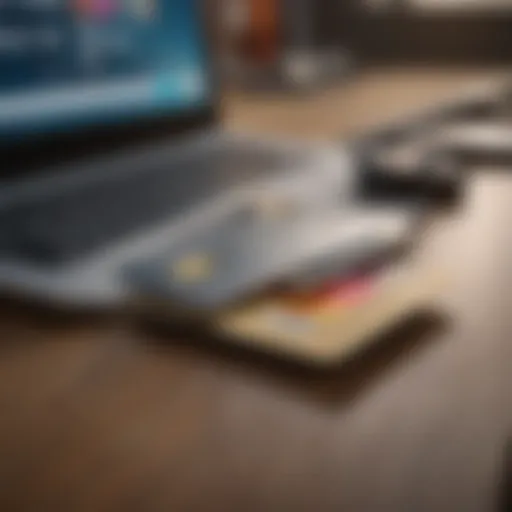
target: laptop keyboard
<point>63,228</point>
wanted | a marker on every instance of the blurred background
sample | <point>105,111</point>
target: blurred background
<point>98,415</point>
<point>376,59</point>
<point>350,34</point>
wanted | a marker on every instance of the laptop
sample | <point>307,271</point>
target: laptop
<point>111,145</point>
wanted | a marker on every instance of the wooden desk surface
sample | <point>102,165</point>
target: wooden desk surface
<point>97,415</point>
<point>377,97</point>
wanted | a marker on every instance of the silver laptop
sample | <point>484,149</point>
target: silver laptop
<point>111,145</point>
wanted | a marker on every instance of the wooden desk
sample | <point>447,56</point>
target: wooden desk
<point>96,415</point>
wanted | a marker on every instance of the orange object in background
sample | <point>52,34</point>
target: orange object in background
<point>261,42</point>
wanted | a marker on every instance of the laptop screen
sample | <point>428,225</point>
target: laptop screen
<point>69,64</point>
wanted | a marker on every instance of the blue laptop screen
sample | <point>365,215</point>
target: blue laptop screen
<point>66,64</point>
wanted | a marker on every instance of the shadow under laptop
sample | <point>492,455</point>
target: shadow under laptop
<point>32,320</point>
<point>337,386</point>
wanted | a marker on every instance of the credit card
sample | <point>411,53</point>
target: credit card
<point>329,323</point>
<point>333,295</point>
